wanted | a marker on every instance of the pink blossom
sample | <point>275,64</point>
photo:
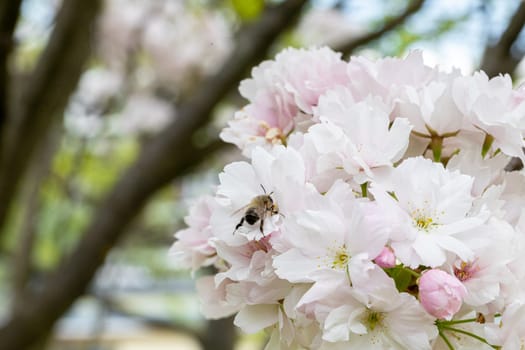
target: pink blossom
<point>386,258</point>
<point>388,76</point>
<point>282,93</point>
<point>192,248</point>
<point>346,163</point>
<point>441,294</point>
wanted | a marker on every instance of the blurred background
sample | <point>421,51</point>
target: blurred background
<point>109,116</point>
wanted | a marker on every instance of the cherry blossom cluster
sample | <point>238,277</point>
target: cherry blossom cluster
<point>374,210</point>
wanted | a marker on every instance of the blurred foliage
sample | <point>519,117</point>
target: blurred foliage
<point>79,177</point>
<point>247,10</point>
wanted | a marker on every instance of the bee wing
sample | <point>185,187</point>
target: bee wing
<point>240,209</point>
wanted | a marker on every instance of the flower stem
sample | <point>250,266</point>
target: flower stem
<point>487,143</point>
<point>452,329</point>
<point>453,322</point>
<point>436,144</point>
<point>364,189</point>
<point>445,339</point>
<point>412,272</point>
<point>348,275</point>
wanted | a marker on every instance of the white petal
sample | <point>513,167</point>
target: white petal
<point>294,266</point>
<point>253,318</point>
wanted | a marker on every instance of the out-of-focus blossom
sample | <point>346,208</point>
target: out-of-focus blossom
<point>120,23</point>
<point>97,86</point>
<point>326,27</point>
<point>177,61</point>
<point>158,32</point>
<point>144,114</point>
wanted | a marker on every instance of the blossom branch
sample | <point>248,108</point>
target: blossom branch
<point>349,47</point>
<point>165,157</point>
<point>45,95</point>
<point>500,58</point>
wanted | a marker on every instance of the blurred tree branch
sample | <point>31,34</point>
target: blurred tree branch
<point>45,94</point>
<point>500,57</point>
<point>31,197</point>
<point>164,158</point>
<point>349,47</point>
<point>9,11</point>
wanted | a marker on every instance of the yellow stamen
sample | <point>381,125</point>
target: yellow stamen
<point>341,258</point>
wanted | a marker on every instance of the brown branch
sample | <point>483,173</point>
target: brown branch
<point>9,12</point>
<point>30,207</point>
<point>349,47</point>
<point>499,58</point>
<point>165,157</point>
<point>45,95</point>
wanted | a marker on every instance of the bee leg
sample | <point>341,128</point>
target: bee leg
<point>261,227</point>
<point>239,225</point>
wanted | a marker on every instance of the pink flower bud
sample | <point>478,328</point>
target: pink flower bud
<point>386,258</point>
<point>440,293</point>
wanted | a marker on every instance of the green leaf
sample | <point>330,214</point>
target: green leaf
<point>248,10</point>
<point>401,276</point>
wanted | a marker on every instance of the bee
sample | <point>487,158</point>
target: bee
<point>257,210</point>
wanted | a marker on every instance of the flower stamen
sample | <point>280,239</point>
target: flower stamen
<point>341,258</point>
<point>465,271</point>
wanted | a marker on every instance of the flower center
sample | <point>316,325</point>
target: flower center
<point>374,319</point>
<point>261,245</point>
<point>423,223</point>
<point>465,271</point>
<point>341,258</point>
<point>423,220</point>
<point>273,135</point>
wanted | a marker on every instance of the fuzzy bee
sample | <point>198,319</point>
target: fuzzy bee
<point>257,210</point>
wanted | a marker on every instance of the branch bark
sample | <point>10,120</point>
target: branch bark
<point>45,95</point>
<point>349,47</point>
<point>169,154</point>
<point>9,11</point>
<point>31,199</point>
<point>500,58</point>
